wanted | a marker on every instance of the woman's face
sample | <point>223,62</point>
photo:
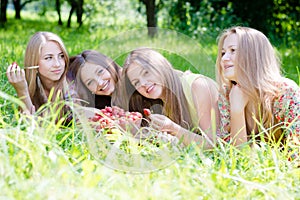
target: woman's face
<point>228,56</point>
<point>145,82</point>
<point>97,79</point>
<point>52,63</point>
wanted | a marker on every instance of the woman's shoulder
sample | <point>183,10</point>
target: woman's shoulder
<point>286,107</point>
<point>286,82</point>
<point>289,94</point>
<point>204,87</point>
<point>288,87</point>
<point>204,81</point>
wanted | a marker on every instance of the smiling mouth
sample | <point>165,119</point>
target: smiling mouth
<point>149,89</point>
<point>105,85</point>
<point>56,71</point>
<point>226,67</point>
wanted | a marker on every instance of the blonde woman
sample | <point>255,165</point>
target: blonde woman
<point>189,101</point>
<point>45,66</point>
<point>255,96</point>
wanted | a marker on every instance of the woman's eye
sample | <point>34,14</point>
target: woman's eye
<point>48,58</point>
<point>100,71</point>
<point>222,53</point>
<point>61,56</point>
<point>89,83</point>
<point>232,50</point>
<point>135,84</point>
<point>145,73</point>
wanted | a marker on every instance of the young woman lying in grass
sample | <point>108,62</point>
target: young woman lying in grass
<point>255,98</point>
<point>189,101</point>
<point>45,66</point>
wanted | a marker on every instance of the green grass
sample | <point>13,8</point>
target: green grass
<point>40,160</point>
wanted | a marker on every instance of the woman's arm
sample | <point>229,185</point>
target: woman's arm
<point>238,102</point>
<point>16,78</point>
<point>165,124</point>
<point>205,97</point>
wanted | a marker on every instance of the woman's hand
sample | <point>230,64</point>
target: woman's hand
<point>163,123</point>
<point>238,100</point>
<point>16,77</point>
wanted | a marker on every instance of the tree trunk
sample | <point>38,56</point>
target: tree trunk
<point>77,6</point>
<point>17,5</point>
<point>79,12</point>
<point>3,18</point>
<point>57,6</point>
<point>70,16</point>
<point>151,17</point>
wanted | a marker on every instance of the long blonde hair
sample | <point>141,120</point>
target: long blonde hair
<point>257,69</point>
<point>32,57</point>
<point>175,103</point>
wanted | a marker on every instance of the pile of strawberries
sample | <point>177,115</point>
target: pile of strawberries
<point>111,117</point>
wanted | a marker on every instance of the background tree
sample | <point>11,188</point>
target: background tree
<point>57,6</point>
<point>152,7</point>
<point>286,21</point>
<point>256,14</point>
<point>77,6</point>
<point>3,18</point>
<point>151,17</point>
<point>19,6</point>
<point>278,19</point>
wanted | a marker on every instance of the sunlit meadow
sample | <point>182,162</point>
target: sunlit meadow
<point>41,160</point>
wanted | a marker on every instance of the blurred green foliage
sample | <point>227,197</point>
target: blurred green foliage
<point>278,19</point>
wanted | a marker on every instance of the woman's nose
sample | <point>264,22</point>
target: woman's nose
<point>143,82</point>
<point>99,80</point>
<point>56,62</point>
<point>226,56</point>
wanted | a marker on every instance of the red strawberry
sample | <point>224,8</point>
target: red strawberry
<point>112,115</point>
<point>108,109</point>
<point>96,118</point>
<point>147,112</point>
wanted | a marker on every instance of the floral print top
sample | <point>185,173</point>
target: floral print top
<point>286,109</point>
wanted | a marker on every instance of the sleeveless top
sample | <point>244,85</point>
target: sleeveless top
<point>187,79</point>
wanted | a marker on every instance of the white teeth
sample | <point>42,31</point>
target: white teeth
<point>150,88</point>
<point>105,86</point>
<point>226,67</point>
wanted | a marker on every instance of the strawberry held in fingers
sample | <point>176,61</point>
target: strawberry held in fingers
<point>147,112</point>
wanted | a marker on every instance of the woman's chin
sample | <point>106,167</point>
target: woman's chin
<point>230,76</point>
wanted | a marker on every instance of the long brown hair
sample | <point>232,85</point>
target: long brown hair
<point>95,57</point>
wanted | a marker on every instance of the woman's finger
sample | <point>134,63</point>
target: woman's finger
<point>14,67</point>
<point>32,110</point>
<point>8,69</point>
